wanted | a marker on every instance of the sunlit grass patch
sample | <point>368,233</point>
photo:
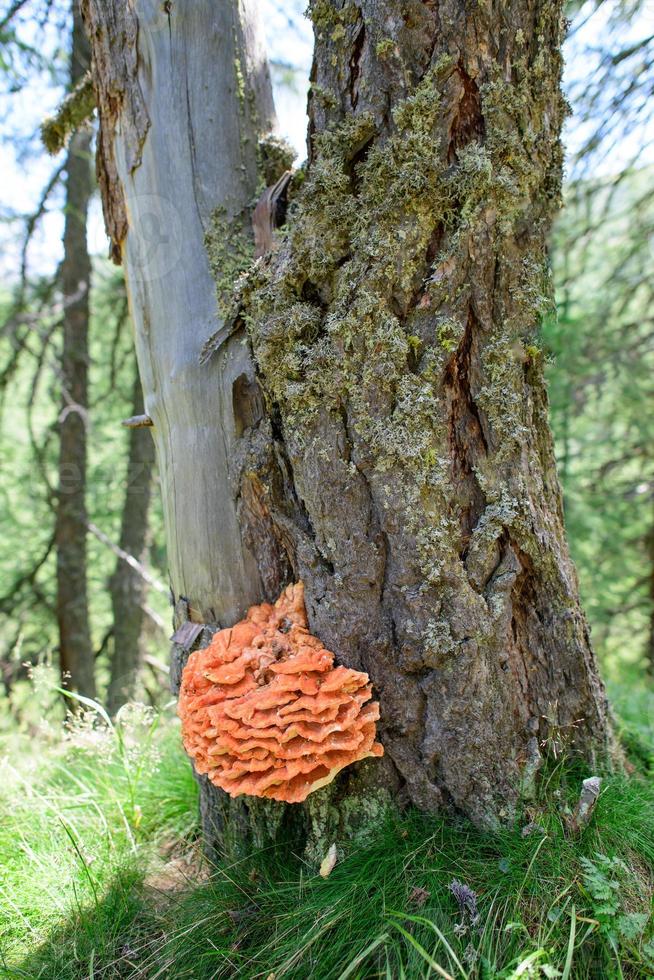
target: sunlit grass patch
<point>101,877</point>
<point>80,816</point>
<point>393,909</point>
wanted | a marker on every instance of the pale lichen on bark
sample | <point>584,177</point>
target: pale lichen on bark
<point>73,111</point>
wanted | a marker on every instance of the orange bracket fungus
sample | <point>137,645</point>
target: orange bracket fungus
<point>265,712</point>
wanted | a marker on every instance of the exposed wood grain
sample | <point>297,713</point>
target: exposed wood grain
<point>177,87</point>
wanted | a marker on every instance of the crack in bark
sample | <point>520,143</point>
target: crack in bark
<point>430,256</point>
<point>521,654</point>
<point>466,433</point>
<point>355,64</point>
<point>468,120</point>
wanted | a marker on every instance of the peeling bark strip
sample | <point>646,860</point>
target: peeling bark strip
<point>264,218</point>
<point>412,481</point>
<point>113,32</point>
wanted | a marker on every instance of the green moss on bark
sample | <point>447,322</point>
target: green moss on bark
<point>276,156</point>
<point>358,244</point>
<point>230,250</point>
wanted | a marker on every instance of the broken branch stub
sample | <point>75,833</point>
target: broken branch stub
<point>138,422</point>
<point>590,791</point>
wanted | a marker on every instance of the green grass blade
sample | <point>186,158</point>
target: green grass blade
<point>421,920</point>
<point>423,952</point>
<point>362,956</point>
<point>571,945</point>
<point>73,840</point>
<point>88,703</point>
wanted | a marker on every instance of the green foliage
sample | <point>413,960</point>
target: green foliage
<point>81,818</point>
<point>29,411</point>
<point>601,368</point>
<point>606,880</point>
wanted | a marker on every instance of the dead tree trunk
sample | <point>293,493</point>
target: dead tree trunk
<point>392,448</point>
<point>127,586</point>
<point>184,94</point>
<point>75,650</point>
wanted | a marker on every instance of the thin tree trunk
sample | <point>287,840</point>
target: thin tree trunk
<point>399,460</point>
<point>128,588</point>
<point>75,650</point>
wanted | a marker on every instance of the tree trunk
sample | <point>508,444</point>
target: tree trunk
<point>184,94</point>
<point>75,650</point>
<point>400,460</point>
<point>395,334</point>
<point>128,588</point>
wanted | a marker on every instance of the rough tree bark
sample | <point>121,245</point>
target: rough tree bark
<point>128,588</point>
<point>75,650</point>
<point>393,448</point>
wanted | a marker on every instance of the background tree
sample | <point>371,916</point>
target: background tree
<point>604,342</point>
<point>128,586</point>
<point>76,660</point>
<point>36,70</point>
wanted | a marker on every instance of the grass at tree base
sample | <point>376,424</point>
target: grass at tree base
<point>100,876</point>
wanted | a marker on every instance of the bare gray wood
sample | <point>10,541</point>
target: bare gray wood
<point>198,75</point>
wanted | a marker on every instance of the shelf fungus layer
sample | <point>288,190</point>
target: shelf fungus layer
<point>266,713</point>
